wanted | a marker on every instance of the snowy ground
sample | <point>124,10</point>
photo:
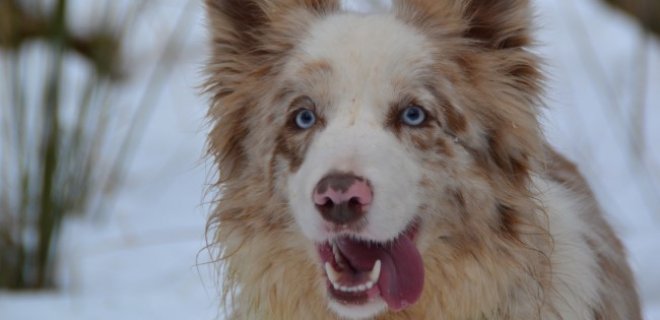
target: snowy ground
<point>141,261</point>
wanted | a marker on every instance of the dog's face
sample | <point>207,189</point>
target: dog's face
<point>364,118</point>
<point>375,130</point>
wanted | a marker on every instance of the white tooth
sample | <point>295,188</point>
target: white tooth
<point>375,272</point>
<point>332,274</point>
<point>335,251</point>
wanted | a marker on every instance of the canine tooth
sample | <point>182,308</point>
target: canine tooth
<point>375,272</point>
<point>333,275</point>
<point>335,251</point>
<point>369,285</point>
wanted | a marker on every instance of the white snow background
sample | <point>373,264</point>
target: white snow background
<point>140,261</point>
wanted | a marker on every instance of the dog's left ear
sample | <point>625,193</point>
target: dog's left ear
<point>494,24</point>
<point>491,37</point>
<point>499,24</point>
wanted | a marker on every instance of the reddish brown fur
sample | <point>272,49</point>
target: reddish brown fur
<point>491,244</point>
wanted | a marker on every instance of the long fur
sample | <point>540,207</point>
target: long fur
<point>511,230</point>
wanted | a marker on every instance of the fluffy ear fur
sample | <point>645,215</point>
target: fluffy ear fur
<point>239,26</point>
<point>495,24</point>
<point>499,24</point>
<point>500,77</point>
<point>249,37</point>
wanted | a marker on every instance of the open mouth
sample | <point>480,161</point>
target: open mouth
<point>360,271</point>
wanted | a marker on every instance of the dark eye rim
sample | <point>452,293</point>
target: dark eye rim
<point>426,114</point>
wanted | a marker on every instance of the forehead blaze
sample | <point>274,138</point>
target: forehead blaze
<point>370,55</point>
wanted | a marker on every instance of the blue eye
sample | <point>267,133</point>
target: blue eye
<point>305,118</point>
<point>413,116</point>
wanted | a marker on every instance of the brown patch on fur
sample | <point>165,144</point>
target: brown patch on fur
<point>393,119</point>
<point>292,142</point>
<point>456,122</point>
<point>468,64</point>
<point>515,166</point>
<point>499,24</point>
<point>598,315</point>
<point>460,198</point>
<point>442,147</point>
<point>508,221</point>
<point>421,142</point>
<point>285,150</point>
<point>424,183</point>
<point>225,143</point>
<point>245,17</point>
<point>310,70</point>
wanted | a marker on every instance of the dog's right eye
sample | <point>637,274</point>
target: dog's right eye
<point>413,116</point>
<point>305,118</point>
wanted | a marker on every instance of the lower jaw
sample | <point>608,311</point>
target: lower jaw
<point>354,298</point>
<point>368,309</point>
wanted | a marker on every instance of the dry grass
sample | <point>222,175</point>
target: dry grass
<point>61,151</point>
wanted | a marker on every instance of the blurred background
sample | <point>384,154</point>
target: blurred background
<point>102,175</point>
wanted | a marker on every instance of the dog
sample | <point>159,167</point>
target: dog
<point>391,166</point>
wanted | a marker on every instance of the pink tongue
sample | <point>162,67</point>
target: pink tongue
<point>402,271</point>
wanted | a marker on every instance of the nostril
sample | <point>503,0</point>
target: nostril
<point>327,203</point>
<point>342,198</point>
<point>354,202</point>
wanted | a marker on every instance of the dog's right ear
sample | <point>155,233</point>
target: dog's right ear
<point>244,26</point>
<point>249,39</point>
<point>235,24</point>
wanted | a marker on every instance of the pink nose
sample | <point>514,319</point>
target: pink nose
<point>342,198</point>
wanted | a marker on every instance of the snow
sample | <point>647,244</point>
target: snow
<point>145,259</point>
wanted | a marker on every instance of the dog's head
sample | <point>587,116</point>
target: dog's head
<point>385,135</point>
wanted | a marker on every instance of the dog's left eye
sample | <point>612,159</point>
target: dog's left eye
<point>413,116</point>
<point>305,118</point>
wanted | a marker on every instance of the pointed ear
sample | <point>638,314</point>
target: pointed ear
<point>234,24</point>
<point>499,24</point>
<point>495,24</point>
<point>240,26</point>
